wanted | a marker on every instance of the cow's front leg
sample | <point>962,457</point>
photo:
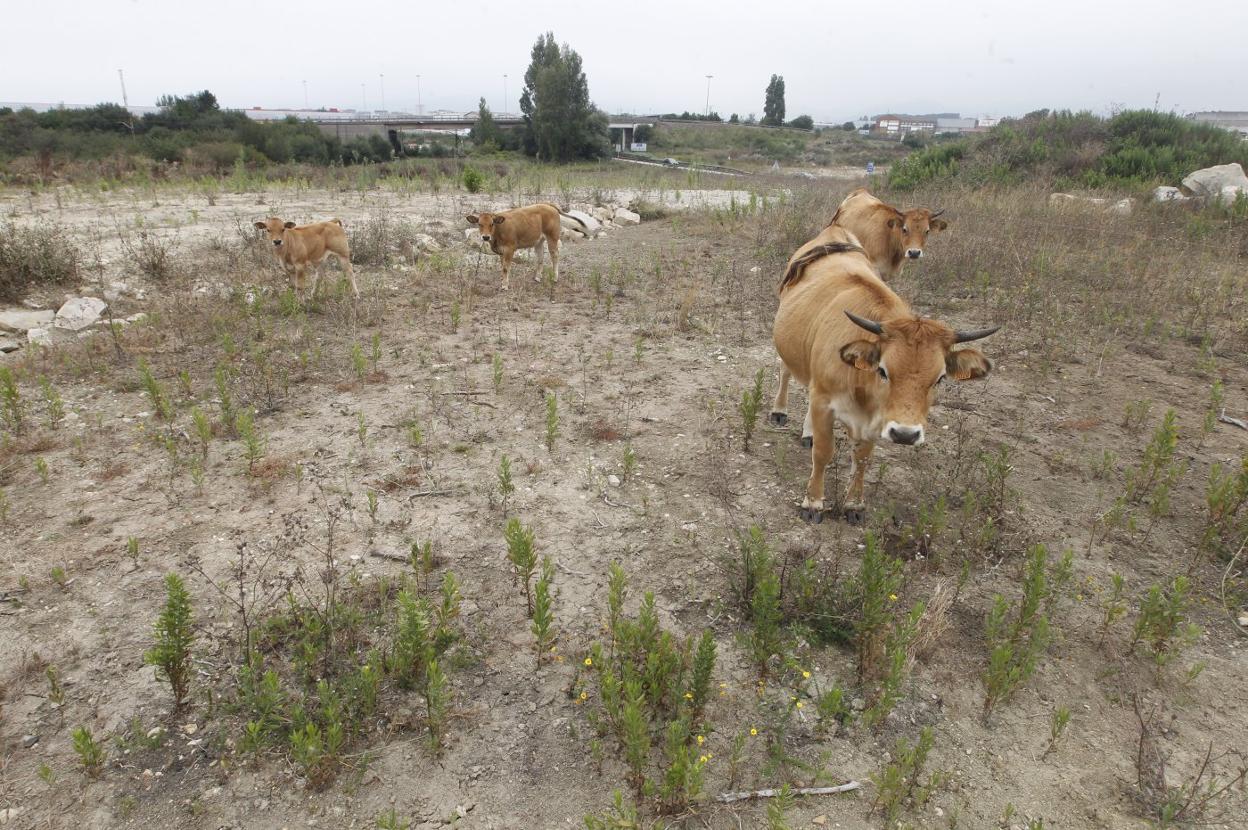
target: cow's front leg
<point>855,507</point>
<point>316,280</point>
<point>552,244</point>
<point>780,406</point>
<point>823,448</point>
<point>301,278</point>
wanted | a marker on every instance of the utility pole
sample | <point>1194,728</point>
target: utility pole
<point>383,91</point>
<point>125,101</point>
<point>305,95</point>
<point>363,100</point>
<point>708,94</point>
<point>504,93</point>
<point>419,110</point>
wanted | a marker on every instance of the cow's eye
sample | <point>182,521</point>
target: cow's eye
<point>939,380</point>
<point>882,372</point>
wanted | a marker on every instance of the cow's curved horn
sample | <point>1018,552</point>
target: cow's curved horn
<point>977,334</point>
<point>937,213</point>
<point>869,325</point>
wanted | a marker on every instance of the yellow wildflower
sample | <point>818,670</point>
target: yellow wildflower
<point>701,740</point>
<point>753,731</point>
<point>589,661</point>
<point>805,675</point>
<point>892,597</point>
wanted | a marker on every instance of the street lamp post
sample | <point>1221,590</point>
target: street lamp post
<point>419,108</point>
<point>504,93</point>
<point>708,94</point>
<point>305,95</point>
<point>382,78</point>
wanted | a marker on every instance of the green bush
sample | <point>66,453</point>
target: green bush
<point>1136,149</point>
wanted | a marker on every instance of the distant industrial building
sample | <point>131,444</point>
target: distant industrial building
<point>893,125</point>
<point>1227,119</point>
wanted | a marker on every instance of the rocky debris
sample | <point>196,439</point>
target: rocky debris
<point>1211,183</point>
<point>1060,199</point>
<point>29,740</point>
<point>602,213</point>
<point>624,216</point>
<point>590,222</point>
<point>427,243</point>
<point>20,320</point>
<point>470,233</point>
<point>79,313</point>
<point>9,344</point>
<point>1123,207</point>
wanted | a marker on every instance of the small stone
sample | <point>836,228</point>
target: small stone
<point>613,480</point>
<point>80,312</point>
<point>461,811</point>
<point>29,740</point>
<point>1243,618</point>
<point>624,216</point>
<point>190,728</point>
<point>857,704</point>
<point>820,820</point>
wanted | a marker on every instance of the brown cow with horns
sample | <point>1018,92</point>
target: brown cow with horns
<point>867,360</point>
<point>888,235</point>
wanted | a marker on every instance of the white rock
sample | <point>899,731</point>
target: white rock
<point>79,312</point>
<point>427,243</point>
<point>472,233</point>
<point>1123,207</point>
<point>613,480</point>
<point>624,216</point>
<point>1210,183</point>
<point>1165,193</point>
<point>1231,194</point>
<point>20,320</point>
<point>1243,618</point>
<point>602,214</point>
<point>9,344</point>
<point>51,336</point>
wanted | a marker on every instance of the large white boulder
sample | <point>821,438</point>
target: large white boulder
<point>1231,194</point>
<point>20,320</point>
<point>79,313</point>
<point>602,214</point>
<point>624,216</point>
<point>1210,183</point>
<point>584,225</point>
<point>51,336</point>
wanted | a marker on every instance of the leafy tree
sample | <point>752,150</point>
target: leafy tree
<point>803,122</point>
<point>561,123</point>
<point>773,105</point>
<point>485,133</point>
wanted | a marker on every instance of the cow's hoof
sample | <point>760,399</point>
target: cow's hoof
<point>808,441</point>
<point>855,515</point>
<point>778,418</point>
<point>811,515</point>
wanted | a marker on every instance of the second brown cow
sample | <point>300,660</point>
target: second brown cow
<point>888,235</point>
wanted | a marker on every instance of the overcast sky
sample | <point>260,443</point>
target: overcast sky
<point>839,60</point>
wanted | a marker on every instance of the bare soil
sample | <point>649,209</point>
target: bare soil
<point>649,339</point>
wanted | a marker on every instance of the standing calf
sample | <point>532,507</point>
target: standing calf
<point>526,227</point>
<point>299,247</point>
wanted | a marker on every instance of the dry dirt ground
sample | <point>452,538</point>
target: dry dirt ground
<point>648,341</point>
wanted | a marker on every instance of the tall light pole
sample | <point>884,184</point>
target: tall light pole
<point>363,100</point>
<point>708,94</point>
<point>382,77</point>
<point>305,95</point>
<point>504,93</point>
<point>419,108</point>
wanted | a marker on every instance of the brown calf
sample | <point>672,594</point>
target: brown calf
<point>299,247</point>
<point>867,360</point>
<point>888,235</point>
<point>525,227</point>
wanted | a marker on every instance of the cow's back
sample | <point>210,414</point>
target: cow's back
<point>866,217</point>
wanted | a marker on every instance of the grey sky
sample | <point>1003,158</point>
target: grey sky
<point>839,60</point>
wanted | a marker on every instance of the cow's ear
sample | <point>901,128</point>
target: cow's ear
<point>288,225</point>
<point>939,224</point>
<point>967,364</point>
<point>473,219</point>
<point>893,223</point>
<point>260,226</point>
<point>863,355</point>
<point>498,220</point>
